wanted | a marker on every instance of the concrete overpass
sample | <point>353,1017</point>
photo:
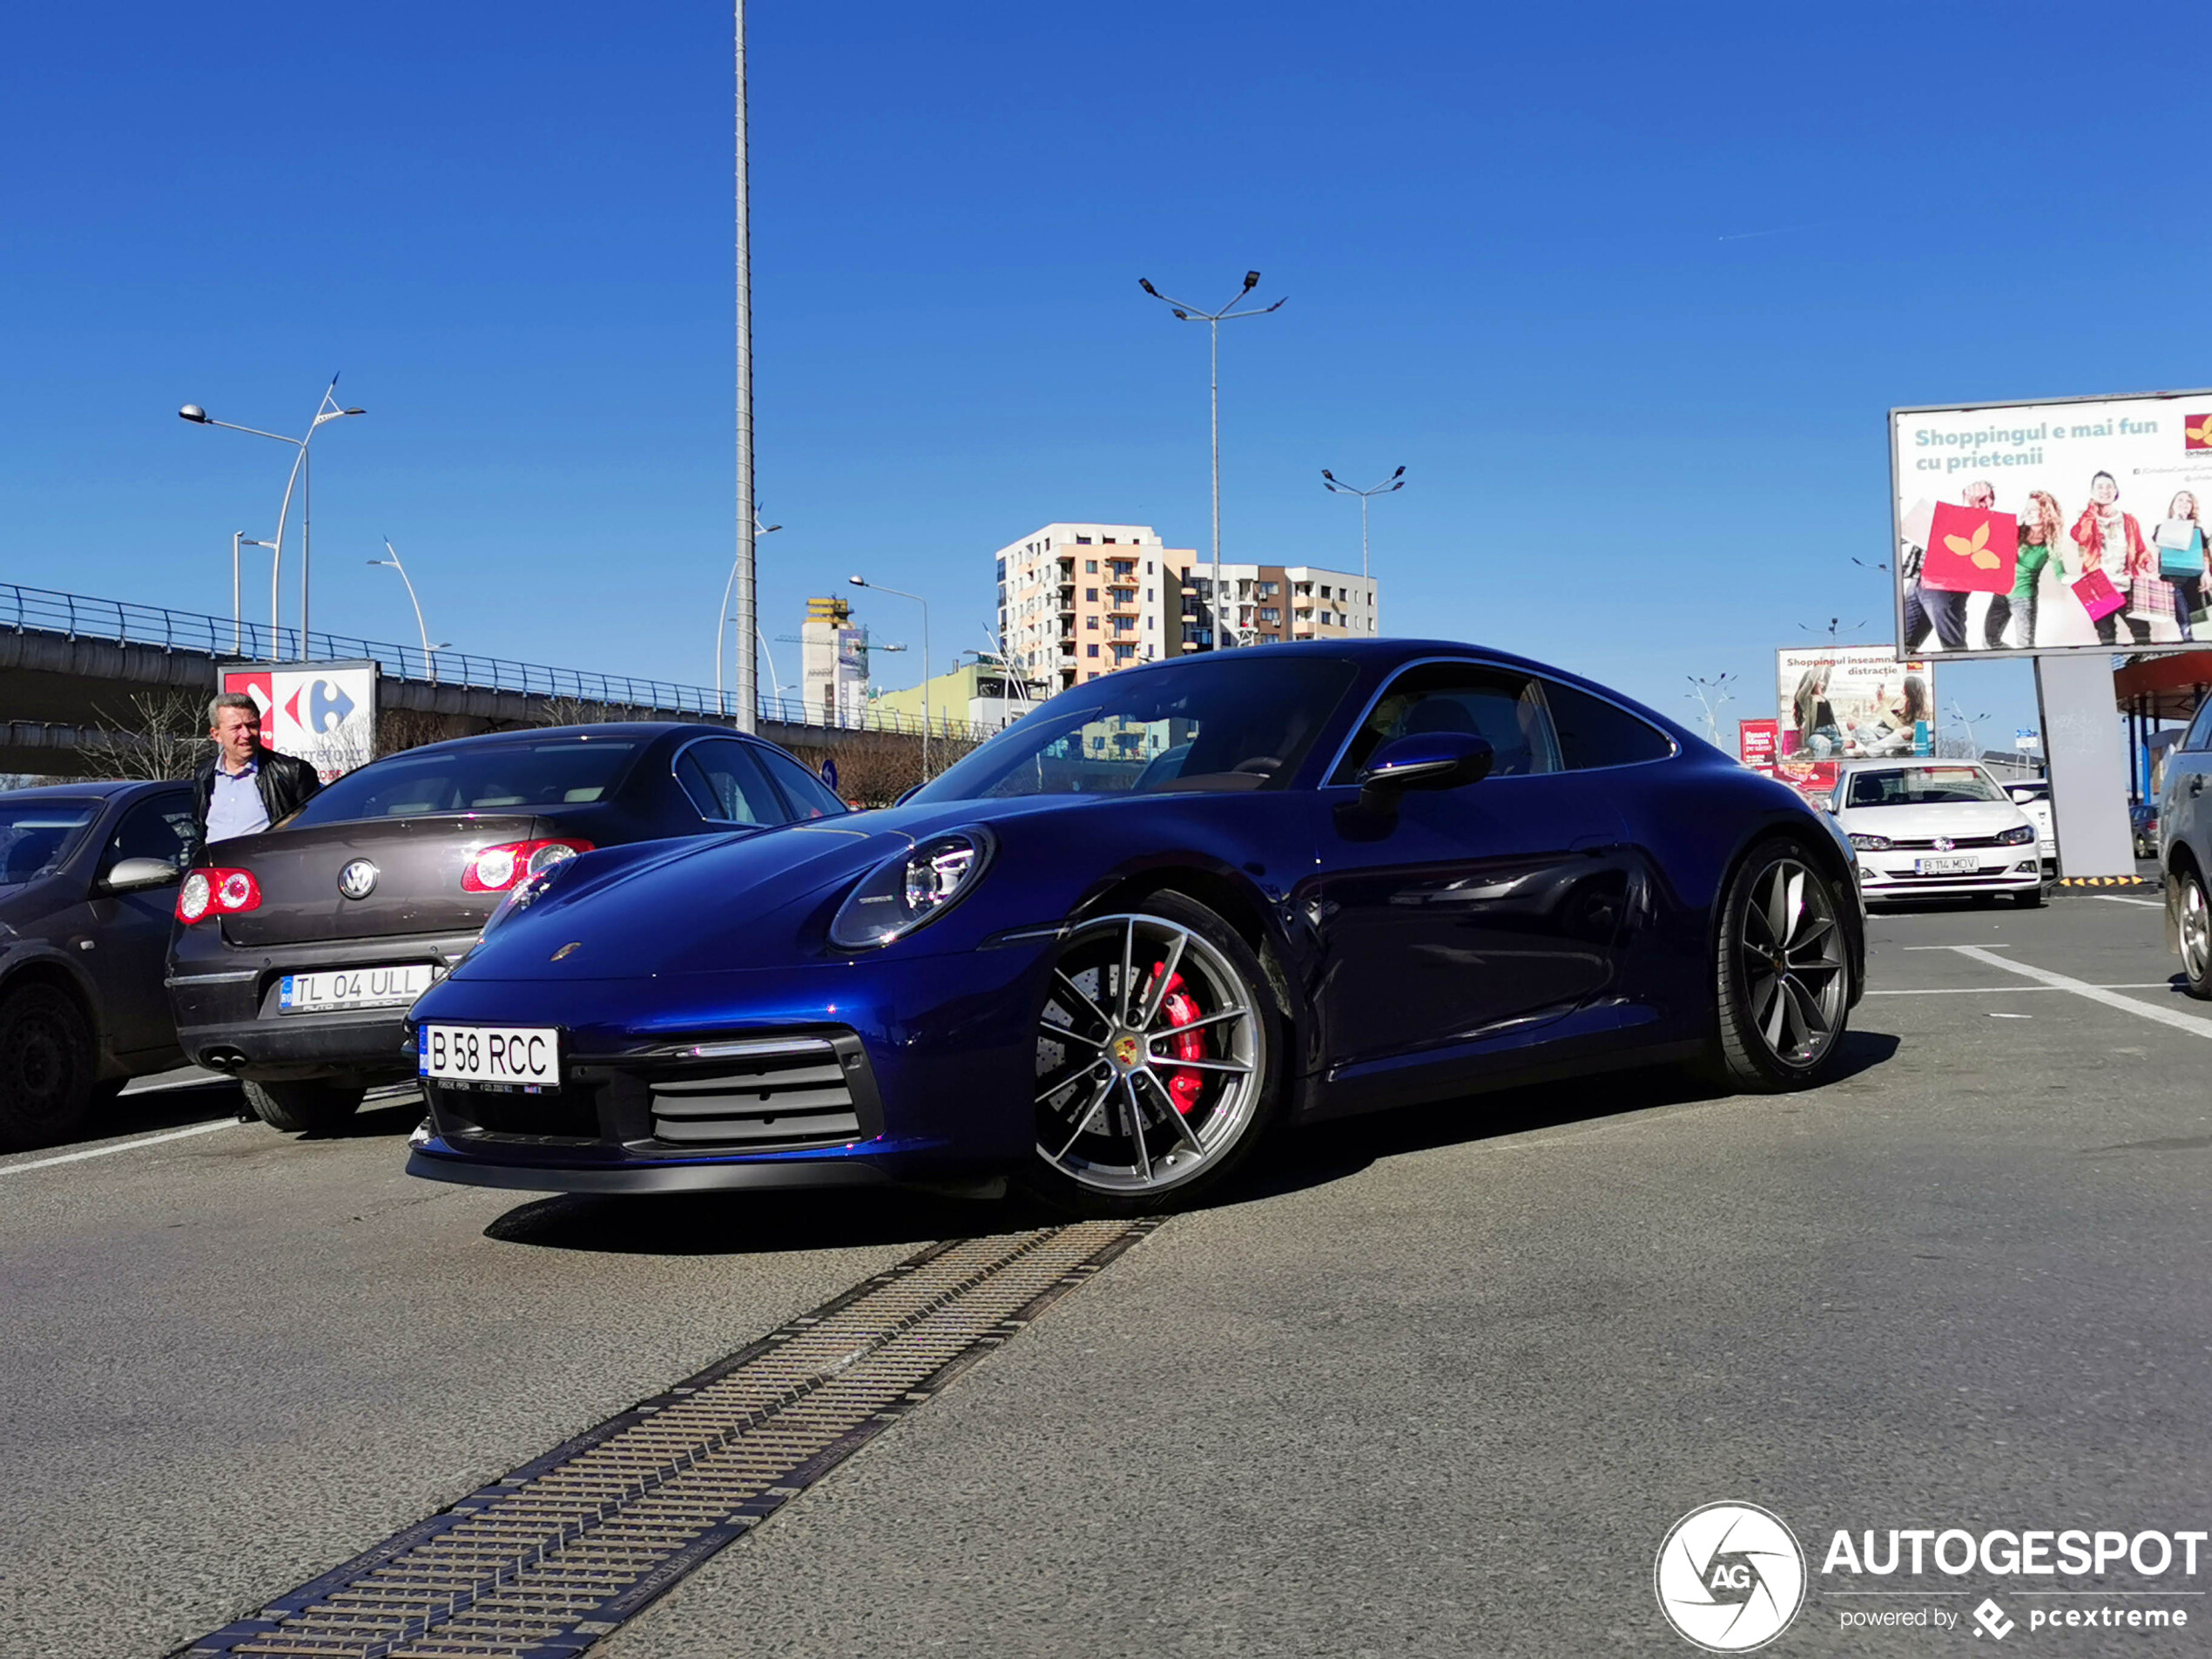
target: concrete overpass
<point>71,666</point>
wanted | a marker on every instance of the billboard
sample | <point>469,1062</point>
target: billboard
<point>2077,525</point>
<point>324,713</point>
<point>1853,702</point>
<point>1757,742</point>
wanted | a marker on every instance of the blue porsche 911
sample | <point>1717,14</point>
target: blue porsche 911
<point>1168,910</point>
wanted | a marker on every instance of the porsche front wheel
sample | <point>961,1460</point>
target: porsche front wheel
<point>1782,974</point>
<point>1158,1053</point>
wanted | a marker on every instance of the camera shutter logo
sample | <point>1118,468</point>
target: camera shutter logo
<point>1730,1577</point>
<point>357,880</point>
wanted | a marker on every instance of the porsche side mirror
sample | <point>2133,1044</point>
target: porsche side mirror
<point>1425,761</point>
<point>130,875</point>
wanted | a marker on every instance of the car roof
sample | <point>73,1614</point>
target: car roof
<point>1900,763</point>
<point>101,788</point>
<point>626,731</point>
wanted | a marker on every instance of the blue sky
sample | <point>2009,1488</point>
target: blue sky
<point>1627,289</point>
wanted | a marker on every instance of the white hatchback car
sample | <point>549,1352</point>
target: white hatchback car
<point>2034,795</point>
<point>1936,829</point>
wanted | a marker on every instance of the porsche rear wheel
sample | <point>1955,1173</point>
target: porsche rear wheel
<point>1158,1052</point>
<point>1782,973</point>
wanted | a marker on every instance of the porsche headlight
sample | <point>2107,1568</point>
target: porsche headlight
<point>913,888</point>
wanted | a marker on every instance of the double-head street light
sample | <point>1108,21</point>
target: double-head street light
<point>328,409</point>
<point>862,582</point>
<point>1395,482</point>
<point>1213,320</point>
<point>430,651</point>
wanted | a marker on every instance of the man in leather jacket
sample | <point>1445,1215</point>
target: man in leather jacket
<point>244,788</point>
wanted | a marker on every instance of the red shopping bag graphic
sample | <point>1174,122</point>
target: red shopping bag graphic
<point>1970,551</point>
<point>2099,598</point>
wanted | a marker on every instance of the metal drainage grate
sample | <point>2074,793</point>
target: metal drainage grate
<point>551,1558</point>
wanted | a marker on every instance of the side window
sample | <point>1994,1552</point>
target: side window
<point>809,796</point>
<point>725,784</point>
<point>1593,732</point>
<point>2200,732</point>
<point>1505,707</point>
<point>160,828</point>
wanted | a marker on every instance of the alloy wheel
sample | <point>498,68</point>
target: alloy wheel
<point>2196,930</point>
<point>1150,1057</point>
<point>1794,972</point>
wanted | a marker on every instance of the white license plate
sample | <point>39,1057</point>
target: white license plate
<point>525,1056</point>
<point>1946,867</point>
<point>390,986</point>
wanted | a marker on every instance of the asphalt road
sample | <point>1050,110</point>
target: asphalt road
<point>1435,1383</point>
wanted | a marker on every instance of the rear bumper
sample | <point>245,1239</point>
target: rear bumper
<point>225,1002</point>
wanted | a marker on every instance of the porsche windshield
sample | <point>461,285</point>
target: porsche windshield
<point>1922,786</point>
<point>1231,723</point>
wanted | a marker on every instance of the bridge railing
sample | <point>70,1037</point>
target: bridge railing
<point>76,617</point>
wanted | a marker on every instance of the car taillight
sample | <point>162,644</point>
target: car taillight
<point>496,868</point>
<point>226,892</point>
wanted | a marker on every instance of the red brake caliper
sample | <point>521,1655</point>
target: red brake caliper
<point>1181,1008</point>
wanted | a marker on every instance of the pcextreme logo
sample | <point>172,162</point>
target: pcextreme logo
<point>1730,1577</point>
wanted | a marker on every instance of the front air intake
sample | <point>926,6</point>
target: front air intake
<point>791,1091</point>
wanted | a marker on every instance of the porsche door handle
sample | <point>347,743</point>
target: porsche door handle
<point>2196,784</point>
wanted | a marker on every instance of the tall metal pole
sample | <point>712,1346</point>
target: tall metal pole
<point>1395,482</point>
<point>237,629</point>
<point>1363,538</point>
<point>1213,320</point>
<point>748,611</point>
<point>1213,392</point>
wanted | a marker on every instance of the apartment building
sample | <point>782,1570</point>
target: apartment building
<point>1077,601</point>
<point>1264,604</point>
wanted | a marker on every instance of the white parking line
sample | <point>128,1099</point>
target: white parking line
<point>1979,990</point>
<point>120,1146</point>
<point>2115,898</point>
<point>2187,1022</point>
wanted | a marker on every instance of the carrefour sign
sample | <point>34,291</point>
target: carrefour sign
<point>325,713</point>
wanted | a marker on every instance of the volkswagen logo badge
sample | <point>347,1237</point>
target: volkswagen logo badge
<point>1944,843</point>
<point>357,880</point>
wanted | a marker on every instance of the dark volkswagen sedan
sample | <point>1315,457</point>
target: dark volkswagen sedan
<point>86,872</point>
<point>303,947</point>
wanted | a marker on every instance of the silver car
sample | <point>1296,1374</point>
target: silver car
<point>2185,851</point>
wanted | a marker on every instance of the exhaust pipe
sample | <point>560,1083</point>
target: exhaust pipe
<point>221,1059</point>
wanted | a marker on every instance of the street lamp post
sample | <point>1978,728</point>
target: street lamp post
<point>862,582</point>
<point>239,539</point>
<point>1395,482</point>
<point>328,409</point>
<point>1213,320</point>
<point>1712,695</point>
<point>393,562</point>
<point>722,620</point>
<point>743,574</point>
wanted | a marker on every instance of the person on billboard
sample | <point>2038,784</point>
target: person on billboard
<point>2112,541</point>
<point>1926,608</point>
<point>2184,557</point>
<point>244,788</point>
<point>1893,731</point>
<point>1813,714</point>
<point>2041,524</point>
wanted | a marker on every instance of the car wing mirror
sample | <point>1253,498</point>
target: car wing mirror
<point>1425,761</point>
<point>130,875</point>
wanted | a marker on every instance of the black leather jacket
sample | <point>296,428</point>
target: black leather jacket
<point>286,782</point>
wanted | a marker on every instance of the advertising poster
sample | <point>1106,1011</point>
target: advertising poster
<point>1853,702</point>
<point>1757,742</point>
<point>324,713</point>
<point>2076,525</point>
